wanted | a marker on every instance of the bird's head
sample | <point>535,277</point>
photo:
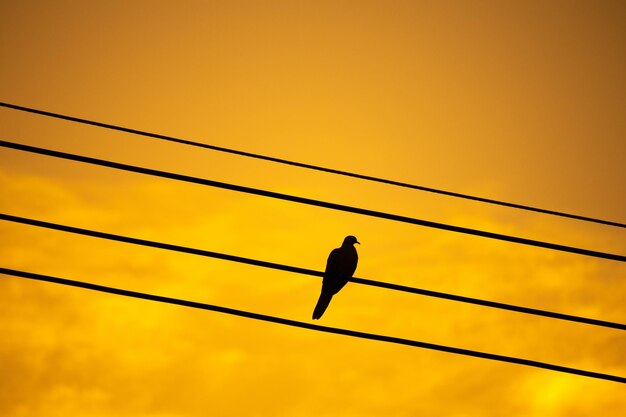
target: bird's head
<point>350,240</point>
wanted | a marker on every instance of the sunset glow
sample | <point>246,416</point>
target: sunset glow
<point>520,101</point>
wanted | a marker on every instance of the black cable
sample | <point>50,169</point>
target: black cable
<point>309,166</point>
<point>308,201</point>
<point>316,327</point>
<point>304,271</point>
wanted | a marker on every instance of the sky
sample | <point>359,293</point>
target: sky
<point>521,101</point>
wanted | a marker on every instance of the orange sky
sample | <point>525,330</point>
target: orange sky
<point>519,101</point>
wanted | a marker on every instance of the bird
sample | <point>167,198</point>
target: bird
<point>340,267</point>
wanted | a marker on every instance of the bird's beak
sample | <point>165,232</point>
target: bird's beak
<point>357,242</point>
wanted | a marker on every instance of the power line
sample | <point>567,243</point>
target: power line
<point>310,166</point>
<point>304,271</point>
<point>309,201</point>
<point>316,327</point>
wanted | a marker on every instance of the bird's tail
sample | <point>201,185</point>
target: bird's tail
<point>321,305</point>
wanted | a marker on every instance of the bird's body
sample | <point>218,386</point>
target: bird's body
<point>340,267</point>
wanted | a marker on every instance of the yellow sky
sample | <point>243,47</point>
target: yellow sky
<point>519,101</point>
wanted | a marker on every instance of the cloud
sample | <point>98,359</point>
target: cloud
<point>72,352</point>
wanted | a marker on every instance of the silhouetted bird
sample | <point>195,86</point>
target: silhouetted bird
<point>340,266</point>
